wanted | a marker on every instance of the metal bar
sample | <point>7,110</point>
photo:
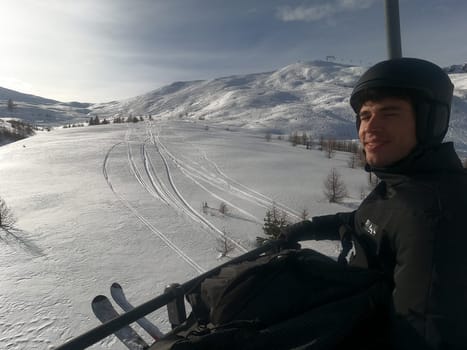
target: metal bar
<point>176,308</point>
<point>393,30</point>
<point>96,334</point>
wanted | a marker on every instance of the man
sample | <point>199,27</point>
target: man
<point>411,226</point>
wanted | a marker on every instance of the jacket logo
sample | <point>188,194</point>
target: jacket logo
<point>370,227</point>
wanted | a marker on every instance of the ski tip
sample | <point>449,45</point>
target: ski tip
<point>99,298</point>
<point>116,285</point>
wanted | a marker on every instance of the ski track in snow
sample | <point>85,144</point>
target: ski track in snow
<point>188,209</point>
<point>151,227</point>
<point>224,183</point>
<point>162,187</point>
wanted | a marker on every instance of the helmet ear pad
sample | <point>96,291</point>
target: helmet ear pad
<point>432,121</point>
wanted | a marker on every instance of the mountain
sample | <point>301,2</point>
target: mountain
<point>456,68</point>
<point>41,111</point>
<point>304,96</point>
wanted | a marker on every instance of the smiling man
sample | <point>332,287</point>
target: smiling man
<point>411,226</point>
<point>387,130</point>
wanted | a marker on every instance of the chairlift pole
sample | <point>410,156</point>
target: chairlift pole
<point>393,30</point>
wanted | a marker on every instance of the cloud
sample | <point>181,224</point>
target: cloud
<point>317,12</point>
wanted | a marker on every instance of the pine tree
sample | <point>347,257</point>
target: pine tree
<point>7,219</point>
<point>274,221</point>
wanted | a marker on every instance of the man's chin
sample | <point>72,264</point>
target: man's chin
<point>377,162</point>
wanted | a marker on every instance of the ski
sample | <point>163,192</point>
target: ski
<point>104,311</point>
<point>118,295</point>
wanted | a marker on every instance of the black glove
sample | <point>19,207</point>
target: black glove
<point>296,232</point>
<point>320,228</point>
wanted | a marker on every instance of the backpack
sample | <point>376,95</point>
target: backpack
<point>294,299</point>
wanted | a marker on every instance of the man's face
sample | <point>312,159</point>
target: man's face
<point>387,130</point>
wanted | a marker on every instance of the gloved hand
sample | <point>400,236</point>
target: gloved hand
<point>296,232</point>
<point>320,228</point>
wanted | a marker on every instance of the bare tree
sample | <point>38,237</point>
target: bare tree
<point>304,214</point>
<point>224,245</point>
<point>353,160</point>
<point>330,148</point>
<point>223,209</point>
<point>7,218</point>
<point>334,188</point>
<point>294,138</point>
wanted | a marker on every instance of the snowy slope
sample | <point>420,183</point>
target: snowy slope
<point>123,203</point>
<point>307,96</point>
<point>41,111</point>
<point>303,96</point>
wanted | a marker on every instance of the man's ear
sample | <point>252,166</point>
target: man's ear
<point>432,121</point>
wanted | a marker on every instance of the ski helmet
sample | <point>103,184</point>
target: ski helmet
<point>426,84</point>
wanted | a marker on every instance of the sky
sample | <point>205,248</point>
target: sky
<point>103,50</point>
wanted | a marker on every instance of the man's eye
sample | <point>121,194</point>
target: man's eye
<point>364,116</point>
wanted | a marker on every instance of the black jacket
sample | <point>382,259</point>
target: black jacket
<point>412,226</point>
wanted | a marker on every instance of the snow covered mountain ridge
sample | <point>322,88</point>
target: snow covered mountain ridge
<point>304,96</point>
<point>309,96</point>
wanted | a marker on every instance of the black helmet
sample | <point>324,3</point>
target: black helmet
<point>426,84</point>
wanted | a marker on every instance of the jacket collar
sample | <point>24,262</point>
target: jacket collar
<point>438,158</point>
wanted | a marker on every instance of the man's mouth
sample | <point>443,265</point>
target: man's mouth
<point>374,145</point>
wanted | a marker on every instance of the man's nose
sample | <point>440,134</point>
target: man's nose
<point>374,122</point>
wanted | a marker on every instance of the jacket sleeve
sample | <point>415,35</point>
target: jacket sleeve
<point>324,227</point>
<point>429,285</point>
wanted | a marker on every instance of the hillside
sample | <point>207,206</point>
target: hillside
<point>310,97</point>
<point>304,96</point>
<point>41,111</point>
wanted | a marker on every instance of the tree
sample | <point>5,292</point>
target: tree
<point>205,207</point>
<point>7,218</point>
<point>334,188</point>
<point>294,138</point>
<point>224,245</point>
<point>10,105</point>
<point>330,148</point>
<point>223,209</point>
<point>274,221</point>
<point>268,136</point>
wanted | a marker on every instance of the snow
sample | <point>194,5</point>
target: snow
<point>123,203</point>
<point>304,96</point>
